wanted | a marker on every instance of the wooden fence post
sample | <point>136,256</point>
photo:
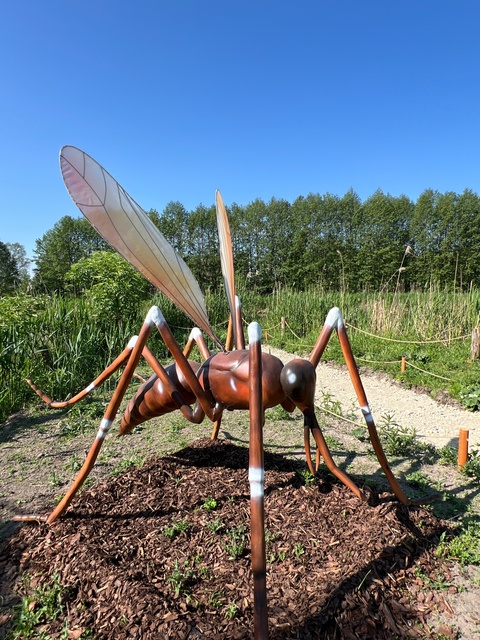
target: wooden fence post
<point>475,350</point>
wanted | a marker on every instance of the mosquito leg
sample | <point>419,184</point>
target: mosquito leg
<point>322,447</point>
<point>240,338</point>
<point>196,337</point>
<point>105,425</point>
<point>110,370</point>
<point>212,411</point>
<point>367,414</point>
<point>308,451</point>
<point>229,341</point>
<point>322,341</point>
<point>256,475</point>
<point>216,428</point>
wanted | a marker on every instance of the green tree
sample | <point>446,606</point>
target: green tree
<point>173,223</point>
<point>9,274</point>
<point>436,237</point>
<point>201,250</point>
<point>383,238</point>
<point>70,240</point>
<point>114,288</point>
<point>20,256</point>
<point>467,210</point>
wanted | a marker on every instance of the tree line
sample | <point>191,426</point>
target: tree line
<point>384,243</point>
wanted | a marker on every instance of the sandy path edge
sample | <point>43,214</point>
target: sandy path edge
<point>433,421</point>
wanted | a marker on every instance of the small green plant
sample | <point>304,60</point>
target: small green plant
<point>214,526</point>
<point>177,424</point>
<point>46,603</point>
<point>417,479</point>
<point>298,549</point>
<point>209,504</point>
<point>448,455</point>
<point>55,480</point>
<point>439,583</point>
<point>472,466</point>
<point>282,555</point>
<point>305,476</point>
<point>135,460</point>
<point>271,537</point>
<point>179,578</point>
<point>470,397</point>
<point>73,464</point>
<point>331,405</point>
<point>176,528</point>
<point>235,547</point>
<point>360,433</point>
<point>278,413</point>
<point>215,599</point>
<point>464,547</point>
<point>81,419</point>
<point>231,611</point>
<point>403,441</point>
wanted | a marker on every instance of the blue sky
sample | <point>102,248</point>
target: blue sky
<point>259,99</point>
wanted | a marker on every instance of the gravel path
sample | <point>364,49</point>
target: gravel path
<point>433,421</point>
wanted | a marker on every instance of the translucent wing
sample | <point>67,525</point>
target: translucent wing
<point>226,255</point>
<point>128,229</point>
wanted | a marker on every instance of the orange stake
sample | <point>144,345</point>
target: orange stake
<point>462,447</point>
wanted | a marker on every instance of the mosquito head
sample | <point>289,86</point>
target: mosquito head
<point>298,382</point>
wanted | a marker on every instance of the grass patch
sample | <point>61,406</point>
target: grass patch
<point>44,604</point>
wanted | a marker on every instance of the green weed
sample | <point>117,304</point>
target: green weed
<point>180,578</point>
<point>209,504</point>
<point>55,480</point>
<point>46,603</point>
<point>448,455</point>
<point>215,526</point>
<point>176,528</point>
<point>472,466</point>
<point>463,547</point>
<point>230,611</point>
<point>470,397</point>
<point>215,599</point>
<point>135,460</point>
<point>403,441</point>
<point>235,546</point>
<point>73,464</point>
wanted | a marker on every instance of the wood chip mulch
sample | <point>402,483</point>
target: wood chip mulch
<point>142,555</point>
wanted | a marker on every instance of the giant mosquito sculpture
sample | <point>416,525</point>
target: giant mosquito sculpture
<point>230,379</point>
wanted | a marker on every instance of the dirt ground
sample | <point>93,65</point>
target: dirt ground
<point>337,568</point>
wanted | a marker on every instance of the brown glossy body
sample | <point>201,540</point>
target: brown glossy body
<point>225,378</point>
<point>153,399</point>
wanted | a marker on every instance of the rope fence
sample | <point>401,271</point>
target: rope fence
<point>440,341</point>
<point>403,362</point>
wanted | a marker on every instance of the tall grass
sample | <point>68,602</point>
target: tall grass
<point>432,329</point>
<point>59,343</point>
<point>62,344</point>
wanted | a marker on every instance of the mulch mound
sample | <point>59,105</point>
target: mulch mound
<point>150,555</point>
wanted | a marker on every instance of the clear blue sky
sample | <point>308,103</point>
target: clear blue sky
<point>257,98</point>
